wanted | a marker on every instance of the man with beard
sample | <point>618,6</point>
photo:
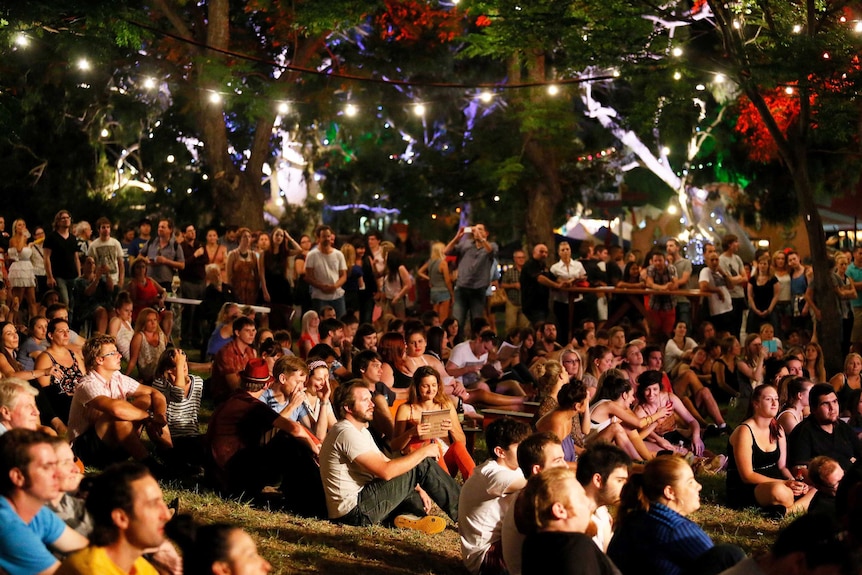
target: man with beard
<point>602,470</point>
<point>129,516</point>
<point>822,433</point>
<point>364,487</point>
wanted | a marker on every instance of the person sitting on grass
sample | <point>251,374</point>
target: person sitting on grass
<point>688,377</point>
<point>182,391</point>
<point>811,544</point>
<point>554,512</point>
<point>667,435</point>
<point>611,410</point>
<point>251,446</point>
<point>28,483</point>
<point>653,536</point>
<point>538,452</point>
<point>485,497</point>
<point>573,408</point>
<point>364,487</point>
<point>129,516</point>
<point>793,411</point>
<point>603,470</point>
<point>109,411</point>
<point>218,549</point>
<point>427,395</point>
<point>757,473</point>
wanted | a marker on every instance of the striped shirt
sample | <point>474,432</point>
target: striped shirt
<point>182,412</point>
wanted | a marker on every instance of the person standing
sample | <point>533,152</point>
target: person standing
<point>661,277</point>
<point>62,265</point>
<point>854,272</point>
<point>164,255</point>
<point>192,283</point>
<point>684,280</point>
<point>475,257</point>
<point>107,252</point>
<point>511,282</point>
<point>536,284</point>
<point>326,272</point>
<point>734,271</point>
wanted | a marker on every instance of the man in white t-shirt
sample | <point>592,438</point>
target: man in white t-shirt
<point>469,357</point>
<point>737,277</point>
<point>364,487</point>
<point>485,497</point>
<point>107,252</point>
<point>602,470</point>
<point>326,272</point>
<point>538,452</point>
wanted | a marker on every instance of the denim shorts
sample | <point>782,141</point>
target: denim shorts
<point>439,295</point>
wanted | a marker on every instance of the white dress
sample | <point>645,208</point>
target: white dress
<point>21,272</point>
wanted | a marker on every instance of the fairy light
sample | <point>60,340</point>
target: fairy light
<point>676,52</point>
<point>214,98</point>
<point>21,40</point>
<point>553,90</point>
<point>677,75</point>
<point>283,108</point>
<point>350,110</point>
<point>419,109</point>
<point>84,65</point>
<point>486,97</point>
<point>149,83</point>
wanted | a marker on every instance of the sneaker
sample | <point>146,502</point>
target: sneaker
<point>430,524</point>
<point>725,429</point>
<point>711,430</point>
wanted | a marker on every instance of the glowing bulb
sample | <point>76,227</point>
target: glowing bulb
<point>677,75</point>
<point>736,24</point>
<point>858,27</point>
<point>350,110</point>
<point>496,198</point>
<point>149,83</point>
<point>205,177</point>
<point>676,52</point>
<point>700,87</point>
<point>283,108</point>
<point>433,216</point>
<point>788,90</point>
<point>188,191</point>
<point>419,109</point>
<point>553,90</point>
<point>319,196</point>
<point>797,28</point>
<point>486,97</point>
<point>825,55</point>
<point>83,64</point>
<point>665,151</point>
<point>719,78</point>
<point>22,40</point>
<point>170,159</point>
<point>215,98</point>
<point>105,133</point>
<point>672,210</point>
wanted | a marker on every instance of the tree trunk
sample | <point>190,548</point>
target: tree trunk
<point>829,328</point>
<point>543,195</point>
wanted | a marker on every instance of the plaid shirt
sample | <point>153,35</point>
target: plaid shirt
<point>660,302</point>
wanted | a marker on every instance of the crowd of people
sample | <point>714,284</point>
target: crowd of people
<point>369,413</point>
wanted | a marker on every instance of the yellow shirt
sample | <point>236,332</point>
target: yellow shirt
<point>92,560</point>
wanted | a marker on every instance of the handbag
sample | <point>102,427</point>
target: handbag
<point>497,298</point>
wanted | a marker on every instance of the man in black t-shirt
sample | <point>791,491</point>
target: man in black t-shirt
<point>62,265</point>
<point>536,282</point>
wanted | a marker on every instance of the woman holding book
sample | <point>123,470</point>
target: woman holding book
<point>424,416</point>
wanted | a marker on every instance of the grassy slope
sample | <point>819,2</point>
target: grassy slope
<point>296,545</point>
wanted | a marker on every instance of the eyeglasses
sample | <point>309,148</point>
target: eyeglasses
<point>110,353</point>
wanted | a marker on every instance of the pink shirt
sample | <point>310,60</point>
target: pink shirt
<point>90,387</point>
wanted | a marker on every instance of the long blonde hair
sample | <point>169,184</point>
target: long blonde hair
<point>437,251</point>
<point>349,254</point>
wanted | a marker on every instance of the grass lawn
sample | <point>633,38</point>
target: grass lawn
<point>297,545</point>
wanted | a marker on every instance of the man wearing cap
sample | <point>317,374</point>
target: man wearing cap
<point>252,446</point>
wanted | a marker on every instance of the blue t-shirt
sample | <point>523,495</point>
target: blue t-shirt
<point>268,398</point>
<point>23,548</point>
